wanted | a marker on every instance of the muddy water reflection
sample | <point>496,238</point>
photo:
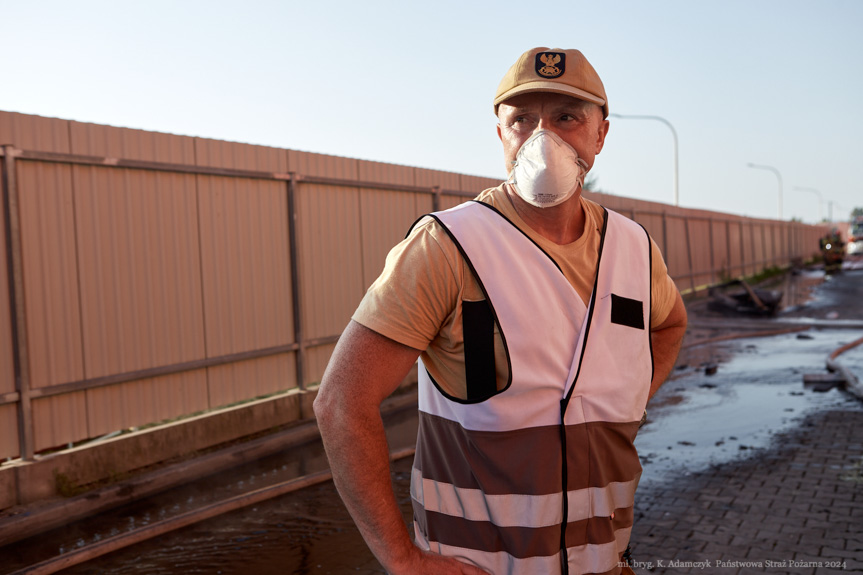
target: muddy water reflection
<point>698,420</point>
<point>303,533</point>
<point>295,533</point>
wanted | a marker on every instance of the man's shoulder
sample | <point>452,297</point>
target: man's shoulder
<point>491,197</point>
<point>495,197</point>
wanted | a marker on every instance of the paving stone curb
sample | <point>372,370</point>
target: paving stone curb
<point>795,507</point>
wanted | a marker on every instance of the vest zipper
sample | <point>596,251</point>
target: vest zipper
<point>564,559</point>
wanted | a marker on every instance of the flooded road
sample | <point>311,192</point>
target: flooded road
<point>754,390</point>
<point>698,420</point>
<point>308,531</point>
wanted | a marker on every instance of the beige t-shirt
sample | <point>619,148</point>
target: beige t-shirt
<point>416,301</point>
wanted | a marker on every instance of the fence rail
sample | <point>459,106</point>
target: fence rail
<point>134,291</point>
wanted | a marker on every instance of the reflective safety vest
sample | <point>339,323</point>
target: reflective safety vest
<point>489,473</point>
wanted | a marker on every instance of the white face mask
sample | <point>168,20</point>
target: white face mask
<point>547,171</point>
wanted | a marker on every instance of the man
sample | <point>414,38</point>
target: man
<point>543,323</point>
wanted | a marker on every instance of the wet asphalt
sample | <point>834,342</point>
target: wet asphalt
<point>725,425</point>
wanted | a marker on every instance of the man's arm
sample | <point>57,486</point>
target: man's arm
<point>364,369</point>
<point>666,339</point>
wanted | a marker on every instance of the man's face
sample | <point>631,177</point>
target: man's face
<point>578,123</point>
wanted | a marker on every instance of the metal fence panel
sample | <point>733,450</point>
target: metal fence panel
<point>771,243</point>
<point>7,358</point>
<point>700,249</point>
<point>51,288</point>
<point>161,275</point>
<point>473,185</point>
<point>60,420</point>
<point>221,154</point>
<point>98,140</point>
<point>735,243</point>
<point>143,401</point>
<point>720,258</point>
<point>446,180</point>
<point>653,223</point>
<point>386,217</point>
<point>9,440</point>
<point>759,245</point>
<point>331,257</point>
<point>245,264</point>
<point>28,132</point>
<point>311,164</point>
<point>139,269</point>
<point>243,380</point>
<point>676,256</point>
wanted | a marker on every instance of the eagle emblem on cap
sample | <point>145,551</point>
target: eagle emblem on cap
<point>550,64</point>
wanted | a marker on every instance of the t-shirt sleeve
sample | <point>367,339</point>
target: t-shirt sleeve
<point>416,291</point>
<point>663,288</point>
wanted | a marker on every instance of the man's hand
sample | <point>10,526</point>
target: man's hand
<point>427,563</point>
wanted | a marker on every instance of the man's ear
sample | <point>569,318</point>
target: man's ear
<point>499,137</point>
<point>601,133</point>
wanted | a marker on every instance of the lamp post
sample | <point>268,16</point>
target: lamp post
<point>839,207</point>
<point>778,177</point>
<point>814,191</point>
<point>673,133</point>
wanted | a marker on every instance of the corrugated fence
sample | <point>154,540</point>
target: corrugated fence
<point>147,276</point>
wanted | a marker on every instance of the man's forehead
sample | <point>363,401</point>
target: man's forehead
<point>537,99</point>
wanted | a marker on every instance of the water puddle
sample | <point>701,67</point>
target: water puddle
<point>698,420</point>
<point>294,524</point>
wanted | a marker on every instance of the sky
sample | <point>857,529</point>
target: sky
<point>773,83</point>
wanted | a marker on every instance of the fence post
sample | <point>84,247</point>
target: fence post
<point>792,239</point>
<point>778,255</point>
<point>15,267</point>
<point>436,198</point>
<point>665,236</point>
<point>754,255</point>
<point>689,255</point>
<point>712,257</point>
<point>742,252</point>
<point>293,249</point>
<point>728,247</point>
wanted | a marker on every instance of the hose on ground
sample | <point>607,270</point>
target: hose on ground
<point>852,383</point>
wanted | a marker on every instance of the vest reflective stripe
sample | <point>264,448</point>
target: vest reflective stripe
<point>520,510</point>
<point>582,559</point>
<point>500,562</point>
<point>496,462</point>
<point>486,482</point>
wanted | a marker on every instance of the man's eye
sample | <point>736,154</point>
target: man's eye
<point>521,123</point>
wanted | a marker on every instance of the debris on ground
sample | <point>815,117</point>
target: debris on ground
<point>838,376</point>
<point>821,382</point>
<point>747,300</point>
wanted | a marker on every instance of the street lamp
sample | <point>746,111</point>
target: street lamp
<point>814,191</point>
<point>778,177</point>
<point>673,133</point>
